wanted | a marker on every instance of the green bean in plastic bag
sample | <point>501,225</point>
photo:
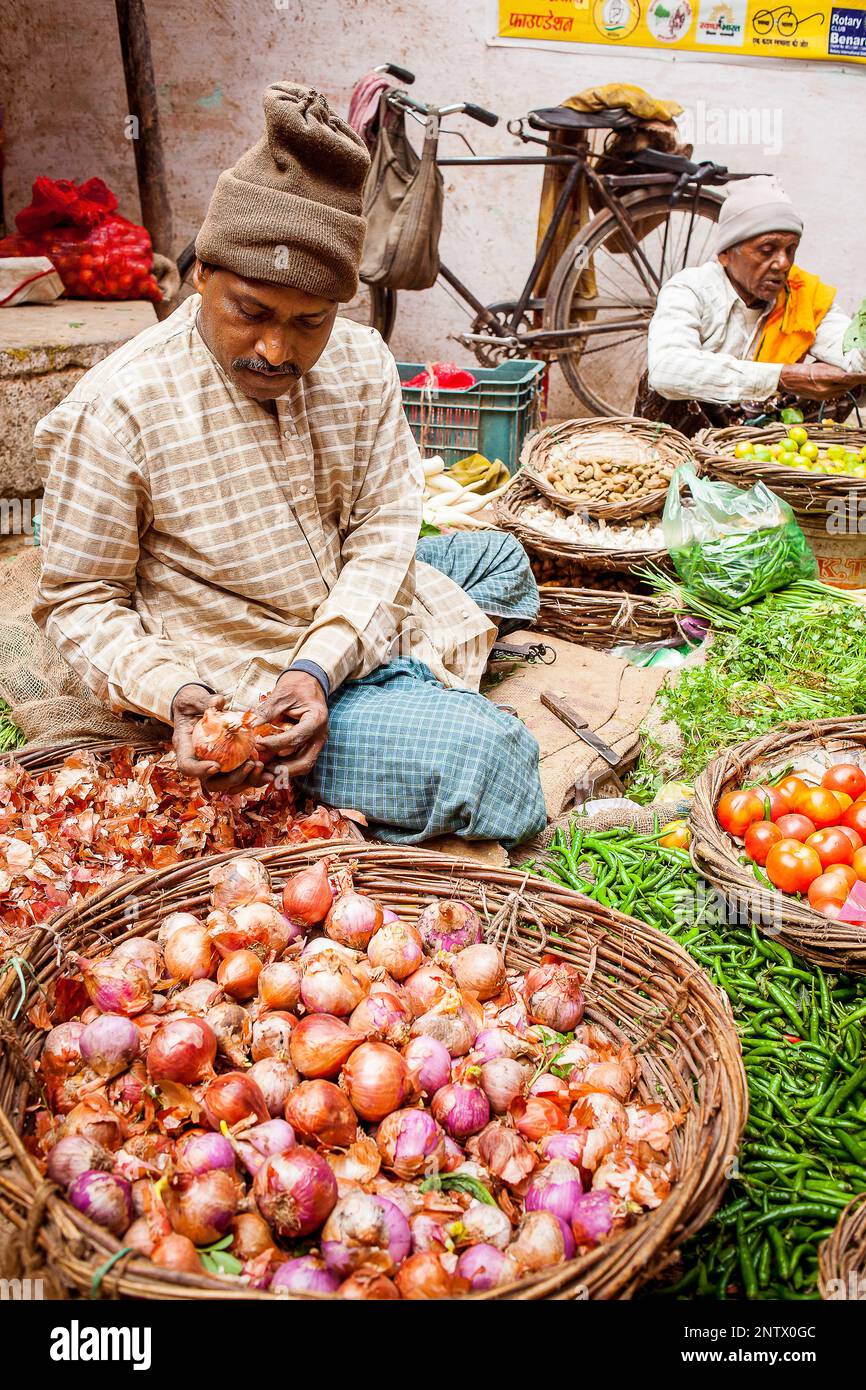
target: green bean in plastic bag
<point>732,545</point>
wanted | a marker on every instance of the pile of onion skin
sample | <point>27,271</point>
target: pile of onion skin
<point>339,1102</point>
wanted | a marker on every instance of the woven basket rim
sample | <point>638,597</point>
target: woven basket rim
<point>805,492</point>
<point>524,490</point>
<point>684,1037</point>
<point>843,1254</point>
<point>571,612</point>
<point>671,445</point>
<point>818,939</point>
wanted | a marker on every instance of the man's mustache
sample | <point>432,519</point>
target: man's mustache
<point>258,364</point>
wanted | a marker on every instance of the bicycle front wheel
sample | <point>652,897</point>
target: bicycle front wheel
<point>604,292</point>
<point>372,304</point>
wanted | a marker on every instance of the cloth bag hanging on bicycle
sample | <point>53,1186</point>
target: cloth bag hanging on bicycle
<point>732,545</point>
<point>403,197</point>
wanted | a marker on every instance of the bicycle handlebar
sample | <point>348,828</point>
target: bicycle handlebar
<point>478,113</point>
<point>402,74</point>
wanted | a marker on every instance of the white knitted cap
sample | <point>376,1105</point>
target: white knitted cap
<point>753,207</point>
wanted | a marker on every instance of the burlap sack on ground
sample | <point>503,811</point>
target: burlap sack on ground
<point>49,703</point>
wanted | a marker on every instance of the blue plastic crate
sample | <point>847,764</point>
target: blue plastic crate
<point>492,418</point>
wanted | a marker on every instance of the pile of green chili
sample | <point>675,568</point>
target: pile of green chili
<point>803,1154</point>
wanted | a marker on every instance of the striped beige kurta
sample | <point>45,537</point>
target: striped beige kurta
<point>189,534</point>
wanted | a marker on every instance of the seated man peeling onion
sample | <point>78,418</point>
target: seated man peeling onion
<point>232,507</point>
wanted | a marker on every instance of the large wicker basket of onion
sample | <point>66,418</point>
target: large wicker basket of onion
<point>361,1072</point>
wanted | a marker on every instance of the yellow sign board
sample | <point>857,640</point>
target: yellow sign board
<point>814,29</point>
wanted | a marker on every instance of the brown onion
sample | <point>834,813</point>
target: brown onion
<point>173,921</point>
<point>176,1252</point>
<point>61,1051</point>
<point>536,1116</point>
<point>425,1276</point>
<point>233,1029</point>
<point>369,1284</point>
<point>251,1235</point>
<point>276,1079</point>
<point>182,1049</point>
<point>376,1079</point>
<point>224,737</point>
<point>76,1154</point>
<point>145,953</point>
<point>502,1080</point>
<point>321,1115</point>
<point>427,987</point>
<point>308,896</point>
<point>196,998</point>
<point>189,954</point>
<point>553,995</point>
<point>382,1016</point>
<point>233,1097</point>
<point>320,1044</point>
<point>239,973</point>
<point>397,948</point>
<point>616,1077</point>
<point>353,920</point>
<point>480,969</point>
<point>280,985</point>
<point>139,1236</point>
<point>503,1151</point>
<point>541,1241</point>
<point>201,1205</point>
<point>245,928</point>
<point>272,1036</point>
<point>94,1119</point>
<point>451,1029</point>
<point>358,1165</point>
<point>330,985</point>
<point>239,881</point>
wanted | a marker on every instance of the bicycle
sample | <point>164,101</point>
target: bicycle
<point>648,224</point>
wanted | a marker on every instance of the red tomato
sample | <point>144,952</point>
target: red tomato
<point>791,787</point>
<point>832,846</point>
<point>796,827</point>
<point>827,888</point>
<point>819,805</point>
<point>855,816</point>
<point>846,872</point>
<point>856,840</point>
<point>845,777</point>
<point>736,811</point>
<point>858,863</point>
<point>780,805</point>
<point>844,800</point>
<point>760,836</point>
<point>792,866</point>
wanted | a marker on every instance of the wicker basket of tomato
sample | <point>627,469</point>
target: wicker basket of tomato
<point>779,827</point>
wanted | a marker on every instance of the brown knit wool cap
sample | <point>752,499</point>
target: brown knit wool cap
<point>289,212</point>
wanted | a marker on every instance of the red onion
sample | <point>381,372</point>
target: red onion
<point>555,1188</point>
<point>272,1036</point>
<point>503,1151</point>
<point>61,1051</point>
<point>189,954</point>
<point>429,1063</point>
<point>280,985</point>
<point>429,1231</point>
<point>233,1097</point>
<point>365,1230</point>
<point>321,1115</point>
<point>427,987</point>
<point>592,1218</point>
<point>411,1143</point>
<point>541,1241</point>
<point>454,1155</point>
<point>486,1267</point>
<point>202,1150</point>
<point>575,1054</point>
<point>353,920</point>
<point>233,1030</point>
<point>552,1088</point>
<point>569,1146</point>
<point>397,948</point>
<point>502,1080</point>
<point>449,925</point>
<point>116,986</point>
<point>94,1119</point>
<point>196,998</point>
<point>383,1017</point>
<point>173,921</point>
<point>482,1224</point>
<point>178,1253</point>
<point>182,1049</point>
<point>321,1044</point>
<point>330,985</point>
<point>480,969</point>
<point>306,1274</point>
<point>75,1155</point>
<point>295,1192</point>
<point>425,1276</point>
<point>103,1198</point>
<point>263,1142</point>
<point>368,1284</point>
<point>359,1164</point>
<point>389,915</point>
<point>239,974</point>
<point>276,1080</point>
<point>308,896</point>
<point>376,1079</point>
<point>553,995</point>
<point>254,926</point>
<point>145,953</point>
<point>239,881</point>
<point>201,1205</point>
<point>461,1108</point>
<point>126,1092</point>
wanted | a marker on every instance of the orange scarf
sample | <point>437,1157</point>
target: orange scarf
<point>790,330</point>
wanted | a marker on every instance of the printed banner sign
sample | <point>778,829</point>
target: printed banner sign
<point>815,29</point>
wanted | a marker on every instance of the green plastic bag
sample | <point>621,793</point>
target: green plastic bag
<point>732,545</point>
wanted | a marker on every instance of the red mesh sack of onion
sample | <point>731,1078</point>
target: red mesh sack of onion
<point>308,1094</point>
